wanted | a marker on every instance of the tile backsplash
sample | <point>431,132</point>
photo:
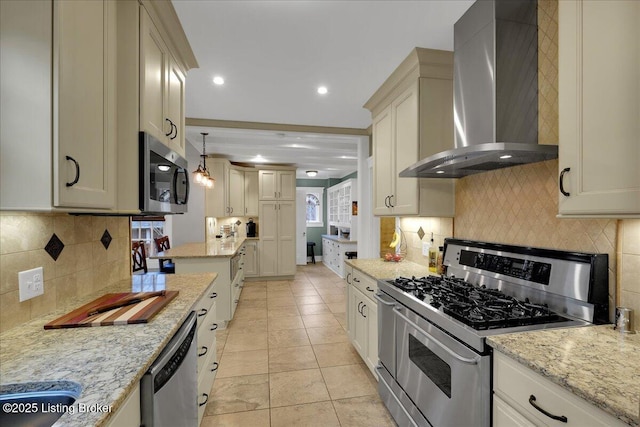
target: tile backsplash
<point>84,266</point>
<point>629,266</point>
<point>410,226</point>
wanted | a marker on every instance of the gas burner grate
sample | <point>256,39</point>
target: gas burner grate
<point>476,306</point>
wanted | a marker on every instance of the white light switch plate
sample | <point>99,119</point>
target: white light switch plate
<point>31,283</point>
<point>425,248</point>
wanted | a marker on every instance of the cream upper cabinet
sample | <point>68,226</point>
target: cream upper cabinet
<point>84,125</point>
<point>58,107</point>
<point>277,185</point>
<point>236,192</point>
<point>216,201</point>
<point>599,108</point>
<point>161,88</point>
<point>412,118</point>
<point>251,193</point>
<point>175,105</point>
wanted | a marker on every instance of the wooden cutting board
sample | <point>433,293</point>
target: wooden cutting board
<point>140,312</point>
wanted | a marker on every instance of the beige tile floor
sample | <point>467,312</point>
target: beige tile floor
<point>285,359</point>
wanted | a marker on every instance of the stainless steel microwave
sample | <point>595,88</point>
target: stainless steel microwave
<point>164,179</point>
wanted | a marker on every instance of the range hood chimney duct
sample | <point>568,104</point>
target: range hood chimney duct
<point>495,93</point>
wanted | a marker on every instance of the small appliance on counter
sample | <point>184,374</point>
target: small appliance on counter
<point>251,228</point>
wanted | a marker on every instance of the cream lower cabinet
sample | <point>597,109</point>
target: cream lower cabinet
<point>518,392</point>
<point>277,247</point>
<point>227,288</point>
<point>58,106</point>
<point>599,112</point>
<point>412,118</point>
<point>333,254</point>
<point>362,316</point>
<point>251,266</point>
<point>205,310</point>
<point>129,414</point>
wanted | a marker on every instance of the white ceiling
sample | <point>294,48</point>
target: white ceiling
<point>274,54</point>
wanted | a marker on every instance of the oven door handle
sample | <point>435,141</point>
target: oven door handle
<point>455,355</point>
<point>378,297</point>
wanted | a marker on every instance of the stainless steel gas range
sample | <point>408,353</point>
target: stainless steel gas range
<point>435,367</point>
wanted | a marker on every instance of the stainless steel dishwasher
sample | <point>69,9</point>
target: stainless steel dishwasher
<point>169,389</point>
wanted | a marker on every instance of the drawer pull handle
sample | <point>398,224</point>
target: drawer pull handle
<point>204,352</point>
<point>202,312</point>
<point>561,182</point>
<point>77,177</point>
<point>206,399</point>
<point>214,326</point>
<point>369,289</point>
<point>215,367</point>
<point>355,279</point>
<point>213,295</point>
<point>561,418</point>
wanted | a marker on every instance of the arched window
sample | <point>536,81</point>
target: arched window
<point>313,205</point>
<point>314,211</point>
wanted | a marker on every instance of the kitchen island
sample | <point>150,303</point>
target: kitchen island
<point>222,256</point>
<point>109,361</point>
<point>596,363</point>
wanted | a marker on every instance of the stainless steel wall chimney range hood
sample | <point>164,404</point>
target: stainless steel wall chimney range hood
<point>495,93</point>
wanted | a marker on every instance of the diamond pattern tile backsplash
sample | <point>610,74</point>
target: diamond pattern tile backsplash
<point>72,253</point>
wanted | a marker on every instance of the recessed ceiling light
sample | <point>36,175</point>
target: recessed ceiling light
<point>218,80</point>
<point>506,156</point>
<point>312,173</point>
<point>440,172</point>
<point>322,90</point>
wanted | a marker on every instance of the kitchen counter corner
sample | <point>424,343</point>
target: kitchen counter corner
<point>107,361</point>
<point>214,248</point>
<point>596,363</point>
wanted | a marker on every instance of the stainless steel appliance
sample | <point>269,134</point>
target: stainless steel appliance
<point>169,389</point>
<point>164,179</point>
<point>435,367</point>
<point>495,95</point>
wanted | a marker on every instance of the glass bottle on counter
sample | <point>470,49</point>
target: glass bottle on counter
<point>439,265</point>
<point>433,256</point>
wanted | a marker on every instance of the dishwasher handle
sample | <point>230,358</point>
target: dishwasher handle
<point>169,361</point>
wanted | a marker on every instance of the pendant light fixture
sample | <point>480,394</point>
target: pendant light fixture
<point>201,175</point>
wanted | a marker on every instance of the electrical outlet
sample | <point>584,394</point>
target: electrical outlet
<point>425,248</point>
<point>31,283</point>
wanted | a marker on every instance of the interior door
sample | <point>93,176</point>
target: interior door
<point>301,228</point>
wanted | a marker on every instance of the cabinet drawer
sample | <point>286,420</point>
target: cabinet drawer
<point>206,336</point>
<point>205,302</point>
<point>515,384</point>
<point>205,382</point>
<point>366,284</point>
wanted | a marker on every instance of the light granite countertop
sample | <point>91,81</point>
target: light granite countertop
<point>106,361</point>
<point>210,249</point>
<point>338,238</point>
<point>596,363</point>
<point>381,270</point>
